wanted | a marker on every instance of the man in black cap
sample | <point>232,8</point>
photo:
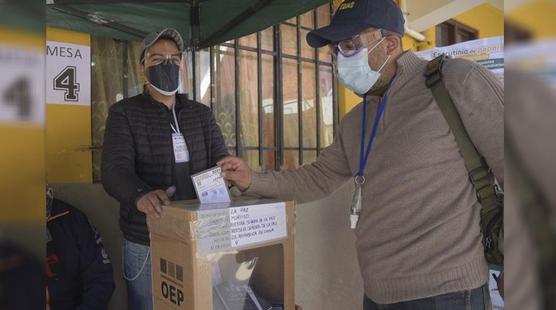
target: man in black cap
<point>153,143</point>
<point>414,210</point>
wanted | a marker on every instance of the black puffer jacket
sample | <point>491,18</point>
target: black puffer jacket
<point>138,154</point>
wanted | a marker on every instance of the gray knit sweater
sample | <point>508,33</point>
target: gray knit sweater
<point>418,234</point>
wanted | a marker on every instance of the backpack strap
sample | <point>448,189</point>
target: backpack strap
<point>479,173</point>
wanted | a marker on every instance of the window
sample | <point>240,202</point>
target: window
<point>115,75</point>
<point>273,96</point>
<point>451,32</point>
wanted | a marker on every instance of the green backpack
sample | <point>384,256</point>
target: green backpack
<point>489,194</point>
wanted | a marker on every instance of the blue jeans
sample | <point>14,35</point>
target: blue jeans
<point>137,273</point>
<point>476,299</point>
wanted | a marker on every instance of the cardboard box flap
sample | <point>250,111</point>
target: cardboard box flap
<point>173,224</point>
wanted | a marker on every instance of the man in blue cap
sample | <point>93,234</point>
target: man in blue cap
<point>414,210</point>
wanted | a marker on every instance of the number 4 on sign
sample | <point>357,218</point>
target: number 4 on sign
<point>17,95</point>
<point>66,80</point>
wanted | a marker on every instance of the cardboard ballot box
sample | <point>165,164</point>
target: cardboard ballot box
<point>229,256</point>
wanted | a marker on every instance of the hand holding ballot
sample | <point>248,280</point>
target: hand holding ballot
<point>236,171</point>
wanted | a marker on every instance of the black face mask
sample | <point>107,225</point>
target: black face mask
<point>164,77</point>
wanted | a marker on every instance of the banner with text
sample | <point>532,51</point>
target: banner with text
<point>488,52</point>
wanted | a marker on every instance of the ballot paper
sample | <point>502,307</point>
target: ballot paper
<point>210,186</point>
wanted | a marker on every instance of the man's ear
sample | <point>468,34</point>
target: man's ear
<point>392,44</point>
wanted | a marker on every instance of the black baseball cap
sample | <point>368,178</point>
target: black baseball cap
<point>355,16</point>
<point>168,33</point>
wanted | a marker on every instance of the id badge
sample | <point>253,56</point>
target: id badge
<point>180,148</point>
<point>355,208</point>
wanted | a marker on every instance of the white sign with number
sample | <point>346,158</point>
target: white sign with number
<point>21,84</point>
<point>68,73</point>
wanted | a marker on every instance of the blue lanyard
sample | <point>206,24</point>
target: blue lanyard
<point>364,155</point>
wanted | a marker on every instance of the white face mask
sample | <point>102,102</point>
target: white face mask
<point>354,71</point>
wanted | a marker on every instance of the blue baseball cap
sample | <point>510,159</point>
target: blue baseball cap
<point>355,16</point>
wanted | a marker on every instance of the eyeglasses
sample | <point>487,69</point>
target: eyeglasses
<point>155,59</point>
<point>348,47</point>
